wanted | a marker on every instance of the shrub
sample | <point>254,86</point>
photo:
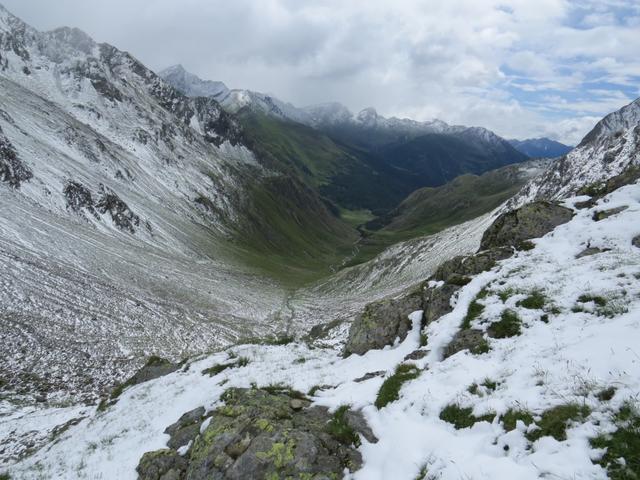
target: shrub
<point>390,389</point>
<point>554,421</point>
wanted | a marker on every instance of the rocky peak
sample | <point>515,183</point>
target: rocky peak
<point>369,116</point>
<point>192,85</point>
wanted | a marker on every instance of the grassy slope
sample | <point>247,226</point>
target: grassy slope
<point>432,209</point>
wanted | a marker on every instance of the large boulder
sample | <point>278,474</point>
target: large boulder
<point>264,434</point>
<point>467,339</point>
<point>533,220</point>
<point>381,323</point>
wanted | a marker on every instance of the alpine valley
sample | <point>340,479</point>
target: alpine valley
<point>200,282</point>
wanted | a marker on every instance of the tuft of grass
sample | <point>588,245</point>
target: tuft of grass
<point>508,325</point>
<point>535,301</point>
<point>474,311</point>
<point>506,294</point>
<point>554,422</point>
<point>242,362</point>
<point>463,417</point>
<point>481,347</point>
<point>490,384</point>
<point>606,394</point>
<point>5,476</point>
<point>597,299</point>
<point>313,390</point>
<point>340,429</point>
<point>390,389</point>
<point>216,369</point>
<point>473,389</point>
<point>424,339</point>
<point>422,474</point>
<point>623,444</point>
<point>511,417</point>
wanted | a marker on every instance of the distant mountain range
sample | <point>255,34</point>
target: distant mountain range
<point>376,161</point>
<point>540,147</point>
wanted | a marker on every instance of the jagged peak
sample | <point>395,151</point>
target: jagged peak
<point>9,22</point>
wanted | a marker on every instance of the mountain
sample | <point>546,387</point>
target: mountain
<point>540,147</point>
<point>133,217</point>
<point>368,147</point>
<point>609,149</point>
<point>191,85</point>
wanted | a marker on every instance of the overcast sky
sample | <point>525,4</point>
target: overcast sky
<point>522,68</point>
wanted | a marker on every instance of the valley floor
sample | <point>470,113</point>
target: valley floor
<point>527,408</point>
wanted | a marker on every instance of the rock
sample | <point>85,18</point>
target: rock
<point>533,220</point>
<point>370,375</point>
<point>416,355</point>
<point>467,339</point>
<point>437,302</point>
<point>257,435</point>
<point>155,367</point>
<point>636,241</point>
<point>602,214</point>
<point>592,251</point>
<point>12,170</point>
<point>464,266</point>
<point>296,404</point>
<point>163,464</point>
<point>586,204</point>
<point>381,323</point>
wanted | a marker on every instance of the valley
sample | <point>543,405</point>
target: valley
<point>199,281</point>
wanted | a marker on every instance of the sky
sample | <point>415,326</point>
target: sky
<point>522,68</point>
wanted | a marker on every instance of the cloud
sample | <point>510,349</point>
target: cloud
<point>515,66</point>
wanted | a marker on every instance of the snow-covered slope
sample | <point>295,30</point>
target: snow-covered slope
<point>568,351</point>
<point>606,151</point>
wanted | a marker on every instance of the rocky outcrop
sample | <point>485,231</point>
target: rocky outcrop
<point>381,323</point>
<point>12,170</point>
<point>467,339</point>
<point>533,220</point>
<point>261,434</point>
<point>155,367</point>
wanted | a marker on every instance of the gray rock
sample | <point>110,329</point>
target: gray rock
<point>296,404</point>
<point>636,241</point>
<point>437,302</point>
<point>602,214</point>
<point>591,251</point>
<point>155,367</point>
<point>370,375</point>
<point>416,355</point>
<point>533,220</point>
<point>467,339</point>
<point>470,265</point>
<point>161,465</point>
<point>381,323</point>
<point>256,435</point>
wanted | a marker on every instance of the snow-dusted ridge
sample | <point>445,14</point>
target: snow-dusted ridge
<point>566,357</point>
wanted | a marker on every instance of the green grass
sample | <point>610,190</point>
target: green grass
<point>511,417</point>
<point>487,383</point>
<point>390,389</point>
<point>606,394</point>
<point>554,422</point>
<point>482,347</point>
<point>5,476</point>
<point>355,218</point>
<point>221,367</point>
<point>424,339</point>
<point>340,429</point>
<point>506,294</point>
<point>474,311</point>
<point>508,325</point>
<point>459,280</point>
<point>461,417</point>
<point>535,301</point>
<point>623,443</point>
<point>597,299</point>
